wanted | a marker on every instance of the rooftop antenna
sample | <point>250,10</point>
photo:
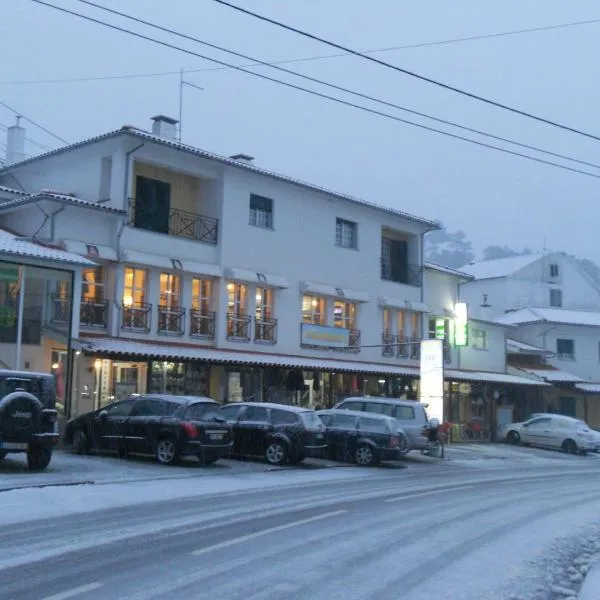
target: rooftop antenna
<point>183,83</point>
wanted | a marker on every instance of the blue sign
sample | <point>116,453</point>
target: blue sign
<point>322,335</point>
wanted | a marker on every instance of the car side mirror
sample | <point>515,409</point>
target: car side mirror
<point>102,415</point>
<point>434,423</point>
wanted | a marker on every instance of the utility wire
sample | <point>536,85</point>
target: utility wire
<point>301,59</point>
<point>6,127</point>
<point>336,87</point>
<point>312,92</point>
<point>41,127</point>
<point>430,80</point>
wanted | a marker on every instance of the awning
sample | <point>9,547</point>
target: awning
<point>554,375</point>
<point>171,264</point>
<point>404,304</point>
<point>589,388</point>
<point>131,348</point>
<point>516,347</point>
<point>93,251</point>
<point>309,287</point>
<point>490,377</point>
<point>247,276</point>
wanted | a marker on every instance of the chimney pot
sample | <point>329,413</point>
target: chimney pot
<point>15,143</point>
<point>164,127</point>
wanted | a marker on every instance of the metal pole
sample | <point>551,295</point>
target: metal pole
<point>20,317</point>
<point>180,102</point>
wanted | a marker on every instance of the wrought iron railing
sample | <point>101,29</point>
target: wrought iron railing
<point>447,353</point>
<point>408,347</point>
<point>137,316</point>
<point>265,331</point>
<point>181,223</point>
<point>238,327</point>
<point>93,315</point>
<point>171,321</point>
<point>353,341</point>
<point>202,324</point>
<point>405,273</point>
<point>60,312</point>
<point>388,344</point>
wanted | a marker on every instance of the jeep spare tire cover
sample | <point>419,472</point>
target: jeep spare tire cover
<point>20,415</point>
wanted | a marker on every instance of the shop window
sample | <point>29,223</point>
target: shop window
<point>201,295</point>
<point>236,298</point>
<point>134,294</point>
<point>313,310</point>
<point>344,314</point>
<point>261,211</point>
<point>179,379</point>
<point>479,339</point>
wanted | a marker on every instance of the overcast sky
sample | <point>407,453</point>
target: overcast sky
<point>494,197</point>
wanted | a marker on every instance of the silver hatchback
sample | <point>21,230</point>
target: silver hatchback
<point>409,414</point>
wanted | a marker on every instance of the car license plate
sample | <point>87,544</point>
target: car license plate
<point>319,436</point>
<point>215,435</point>
<point>13,446</point>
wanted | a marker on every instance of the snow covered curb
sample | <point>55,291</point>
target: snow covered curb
<point>590,590</point>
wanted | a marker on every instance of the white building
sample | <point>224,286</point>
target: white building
<point>218,277</point>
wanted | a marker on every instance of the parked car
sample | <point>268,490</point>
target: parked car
<point>410,415</point>
<point>28,417</point>
<point>279,432</point>
<point>168,427</point>
<point>553,431</point>
<point>366,439</point>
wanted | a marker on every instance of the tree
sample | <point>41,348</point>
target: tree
<point>450,249</point>
<point>494,252</point>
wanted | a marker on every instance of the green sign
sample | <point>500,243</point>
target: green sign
<point>461,325</point>
<point>440,329</point>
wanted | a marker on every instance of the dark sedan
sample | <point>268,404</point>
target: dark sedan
<point>279,432</point>
<point>168,427</point>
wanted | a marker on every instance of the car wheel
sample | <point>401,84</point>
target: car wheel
<point>80,442</point>
<point>38,458</point>
<point>570,447</point>
<point>364,456</point>
<point>513,438</point>
<point>276,453</point>
<point>166,452</point>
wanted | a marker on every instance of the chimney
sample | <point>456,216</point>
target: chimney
<point>15,143</point>
<point>245,158</point>
<point>164,127</point>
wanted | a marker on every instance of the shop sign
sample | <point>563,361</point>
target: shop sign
<point>440,329</point>
<point>432,377</point>
<point>322,335</point>
<point>461,324</point>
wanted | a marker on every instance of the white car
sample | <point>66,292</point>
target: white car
<point>553,431</point>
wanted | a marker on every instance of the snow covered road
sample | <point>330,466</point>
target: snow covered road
<point>353,534</point>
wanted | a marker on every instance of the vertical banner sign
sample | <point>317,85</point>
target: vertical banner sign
<point>461,324</point>
<point>432,378</point>
<point>440,329</point>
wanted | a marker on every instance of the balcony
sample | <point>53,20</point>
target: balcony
<point>93,315</point>
<point>60,310</point>
<point>402,273</point>
<point>202,324</point>
<point>171,321</point>
<point>388,344</point>
<point>265,331</point>
<point>136,317</point>
<point>353,341</point>
<point>238,327</point>
<point>447,353</point>
<point>180,223</point>
<point>408,347</point>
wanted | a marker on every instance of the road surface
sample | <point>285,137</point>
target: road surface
<point>359,534</point>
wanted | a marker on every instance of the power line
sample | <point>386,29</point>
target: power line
<point>430,80</point>
<point>257,61</point>
<point>313,92</point>
<point>41,127</point>
<point>313,58</point>
<point>5,128</point>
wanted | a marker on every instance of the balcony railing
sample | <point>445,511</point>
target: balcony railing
<point>447,353</point>
<point>93,315</point>
<point>202,324</point>
<point>353,341</point>
<point>265,331</point>
<point>60,310</point>
<point>408,347</point>
<point>238,327</point>
<point>406,273</point>
<point>388,347</point>
<point>171,321</point>
<point>136,317</point>
<point>181,223</point>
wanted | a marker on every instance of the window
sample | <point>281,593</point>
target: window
<point>345,234</point>
<point>479,339</point>
<point>284,417</point>
<point>147,407</point>
<point>261,211</point>
<point>405,413</point>
<point>134,293</point>
<point>205,411</point>
<point>352,405</point>
<point>201,295</point>
<point>394,260</point>
<point>170,291</point>
<point>264,303</point>
<point>313,310</point>
<point>567,406</point>
<point>120,409</point>
<point>231,411</point>
<point>92,285</point>
<point>380,409</point>
<point>256,413</point>
<point>236,298</point>
<point>415,326</point>
<point>565,349</point>
<point>152,204</point>
<point>387,321</point>
<point>373,425</point>
<point>556,298</point>
<point>343,422</point>
<point>344,314</point>
<point>553,270</point>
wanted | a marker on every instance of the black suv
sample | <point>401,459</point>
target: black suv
<point>363,438</point>
<point>168,427</point>
<point>28,418</point>
<point>279,432</point>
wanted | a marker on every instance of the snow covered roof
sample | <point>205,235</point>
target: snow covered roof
<point>7,190</point>
<point>516,347</point>
<point>14,246</point>
<point>590,388</point>
<point>551,315</point>
<point>552,375</point>
<point>442,269</point>
<point>490,377</point>
<point>141,134</point>
<point>58,197</point>
<point>500,267</point>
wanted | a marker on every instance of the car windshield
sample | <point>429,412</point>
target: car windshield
<point>203,411</point>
